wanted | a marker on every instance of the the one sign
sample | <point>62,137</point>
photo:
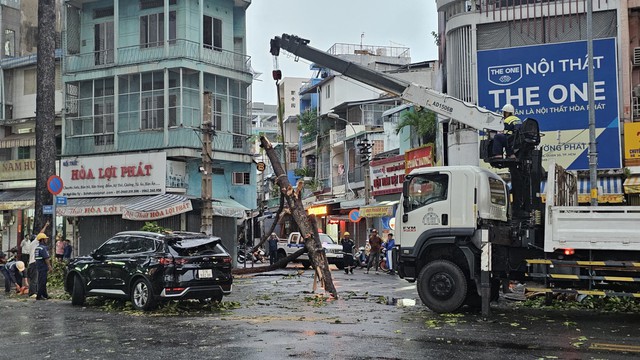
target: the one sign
<point>47,209</point>
<point>55,184</point>
<point>117,175</point>
<point>61,200</point>
<point>549,83</point>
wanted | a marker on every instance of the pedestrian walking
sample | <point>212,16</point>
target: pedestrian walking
<point>273,248</point>
<point>347,250</point>
<point>390,246</point>
<point>12,272</point>
<point>376,245</point>
<point>68,249</point>
<point>43,265</point>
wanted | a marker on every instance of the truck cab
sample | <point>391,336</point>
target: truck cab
<point>444,206</point>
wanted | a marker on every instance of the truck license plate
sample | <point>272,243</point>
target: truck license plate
<point>205,274</point>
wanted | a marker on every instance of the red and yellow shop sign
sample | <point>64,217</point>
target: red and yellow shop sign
<point>632,141</point>
<point>418,158</point>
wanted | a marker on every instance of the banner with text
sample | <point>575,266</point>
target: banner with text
<point>549,83</point>
<point>117,175</point>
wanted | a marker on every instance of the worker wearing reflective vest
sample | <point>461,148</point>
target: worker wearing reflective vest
<point>501,140</point>
<point>43,265</point>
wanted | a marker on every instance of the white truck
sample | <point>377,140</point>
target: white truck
<point>295,242</point>
<point>461,231</point>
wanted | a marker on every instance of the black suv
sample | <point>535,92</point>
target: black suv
<point>148,267</point>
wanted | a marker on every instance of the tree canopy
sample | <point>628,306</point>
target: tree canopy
<point>423,123</point>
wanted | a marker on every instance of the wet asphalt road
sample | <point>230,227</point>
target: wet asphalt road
<point>279,318</point>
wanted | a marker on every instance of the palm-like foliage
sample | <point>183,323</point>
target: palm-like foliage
<point>424,124</point>
<point>308,125</point>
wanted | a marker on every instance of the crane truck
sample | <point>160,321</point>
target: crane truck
<point>461,230</point>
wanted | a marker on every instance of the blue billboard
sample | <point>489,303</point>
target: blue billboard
<point>549,83</point>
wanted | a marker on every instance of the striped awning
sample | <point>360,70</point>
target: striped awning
<point>632,184</point>
<point>157,207</point>
<point>229,208</point>
<point>609,190</point>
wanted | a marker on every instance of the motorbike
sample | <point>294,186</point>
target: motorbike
<point>360,258</point>
<point>256,256</point>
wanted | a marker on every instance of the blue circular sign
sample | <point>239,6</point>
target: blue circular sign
<point>55,184</point>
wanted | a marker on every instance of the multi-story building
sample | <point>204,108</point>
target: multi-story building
<point>19,24</point>
<point>135,74</point>
<point>534,55</point>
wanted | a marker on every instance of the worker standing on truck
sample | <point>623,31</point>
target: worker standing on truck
<point>502,140</point>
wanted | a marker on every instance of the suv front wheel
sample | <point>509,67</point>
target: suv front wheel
<point>142,295</point>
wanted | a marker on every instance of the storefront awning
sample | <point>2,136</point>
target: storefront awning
<point>229,208</point>
<point>381,209</point>
<point>98,206</point>
<point>632,185</point>
<point>17,199</point>
<point>157,207</point>
<point>18,140</point>
<point>609,190</point>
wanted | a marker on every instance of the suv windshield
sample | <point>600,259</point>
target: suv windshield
<point>326,239</point>
<point>196,246</point>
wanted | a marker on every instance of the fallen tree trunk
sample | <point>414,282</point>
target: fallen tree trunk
<point>307,227</point>
<point>278,264</point>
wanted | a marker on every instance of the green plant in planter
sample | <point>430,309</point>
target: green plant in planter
<point>154,227</point>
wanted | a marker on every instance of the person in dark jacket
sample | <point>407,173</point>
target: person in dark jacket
<point>390,246</point>
<point>273,248</point>
<point>347,250</point>
<point>66,256</point>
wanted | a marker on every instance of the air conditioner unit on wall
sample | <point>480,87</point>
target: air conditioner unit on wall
<point>636,56</point>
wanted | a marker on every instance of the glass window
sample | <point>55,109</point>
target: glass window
<point>152,29</point>
<point>212,33</point>
<point>196,246</point>
<point>9,43</point>
<point>24,152</point>
<point>113,246</point>
<point>498,192</point>
<point>423,190</point>
<point>136,245</point>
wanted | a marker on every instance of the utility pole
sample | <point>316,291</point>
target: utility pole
<point>206,222</point>
<point>593,152</point>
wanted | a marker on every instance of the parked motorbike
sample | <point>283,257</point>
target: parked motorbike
<point>360,258</point>
<point>256,256</point>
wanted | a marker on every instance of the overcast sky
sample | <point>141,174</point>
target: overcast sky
<point>326,22</point>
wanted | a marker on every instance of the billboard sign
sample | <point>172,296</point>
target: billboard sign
<point>549,83</point>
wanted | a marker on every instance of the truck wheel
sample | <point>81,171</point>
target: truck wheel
<point>442,286</point>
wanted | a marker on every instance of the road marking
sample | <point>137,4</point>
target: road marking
<point>615,347</point>
<point>410,287</point>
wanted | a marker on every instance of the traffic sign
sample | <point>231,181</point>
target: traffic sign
<point>61,200</point>
<point>47,209</point>
<point>354,215</point>
<point>55,184</point>
<point>261,166</point>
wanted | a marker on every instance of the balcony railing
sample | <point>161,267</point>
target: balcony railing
<point>140,54</point>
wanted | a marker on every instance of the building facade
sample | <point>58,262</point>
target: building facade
<point>135,74</point>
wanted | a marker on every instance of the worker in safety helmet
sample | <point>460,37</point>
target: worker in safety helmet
<point>501,139</point>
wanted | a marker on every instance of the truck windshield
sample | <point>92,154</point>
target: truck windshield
<point>426,189</point>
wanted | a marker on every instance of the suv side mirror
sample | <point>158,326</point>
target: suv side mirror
<point>97,256</point>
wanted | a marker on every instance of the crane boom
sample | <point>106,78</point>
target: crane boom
<point>461,111</point>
